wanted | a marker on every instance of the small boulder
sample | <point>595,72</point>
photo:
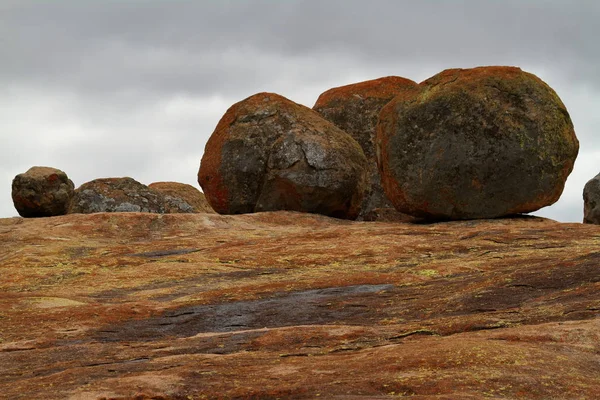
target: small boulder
<point>182,198</point>
<point>268,153</point>
<point>591,201</point>
<point>354,109</point>
<point>42,192</point>
<point>116,195</point>
<point>475,143</point>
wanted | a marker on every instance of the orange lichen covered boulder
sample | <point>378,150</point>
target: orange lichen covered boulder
<point>475,143</point>
<point>182,198</point>
<point>268,153</point>
<point>42,192</point>
<point>354,109</point>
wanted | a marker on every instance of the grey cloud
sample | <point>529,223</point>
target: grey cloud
<point>201,45</point>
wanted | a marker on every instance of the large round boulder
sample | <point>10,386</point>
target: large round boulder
<point>182,198</point>
<point>268,153</point>
<point>475,143</point>
<point>355,109</point>
<point>591,201</point>
<point>116,195</point>
<point>42,192</point>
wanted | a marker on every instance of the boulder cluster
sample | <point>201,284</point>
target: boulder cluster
<point>474,143</point>
<point>464,144</point>
<point>47,192</point>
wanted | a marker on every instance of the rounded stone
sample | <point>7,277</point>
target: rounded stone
<point>268,153</point>
<point>591,201</point>
<point>42,192</point>
<point>475,143</point>
<point>182,198</point>
<point>116,195</point>
<point>355,109</point>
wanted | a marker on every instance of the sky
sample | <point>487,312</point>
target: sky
<point>135,88</point>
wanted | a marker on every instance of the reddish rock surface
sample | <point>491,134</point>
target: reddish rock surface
<point>591,201</point>
<point>289,305</point>
<point>116,195</point>
<point>268,153</point>
<point>182,198</point>
<point>476,143</point>
<point>42,192</point>
<point>355,109</point>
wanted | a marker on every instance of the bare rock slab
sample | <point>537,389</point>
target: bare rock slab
<point>116,195</point>
<point>42,192</point>
<point>297,306</point>
<point>355,109</point>
<point>268,153</point>
<point>475,143</point>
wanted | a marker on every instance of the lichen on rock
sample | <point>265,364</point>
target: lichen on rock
<point>475,143</point>
<point>268,153</point>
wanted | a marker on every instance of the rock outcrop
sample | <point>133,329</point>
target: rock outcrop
<point>355,109</point>
<point>475,143</point>
<point>291,305</point>
<point>116,195</point>
<point>42,192</point>
<point>182,198</point>
<point>591,201</point>
<point>268,153</point>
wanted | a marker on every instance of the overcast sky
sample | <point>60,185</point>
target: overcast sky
<point>135,88</point>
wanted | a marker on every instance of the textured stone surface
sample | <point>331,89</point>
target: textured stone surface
<point>476,143</point>
<point>355,109</point>
<point>591,201</point>
<point>269,153</point>
<point>182,198</point>
<point>291,305</point>
<point>116,195</point>
<point>42,192</point>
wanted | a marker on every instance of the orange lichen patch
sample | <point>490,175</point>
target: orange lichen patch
<point>386,87</point>
<point>283,304</point>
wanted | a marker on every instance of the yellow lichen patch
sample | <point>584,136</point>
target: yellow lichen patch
<point>52,302</point>
<point>430,273</point>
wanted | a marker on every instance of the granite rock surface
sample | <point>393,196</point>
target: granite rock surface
<point>293,305</point>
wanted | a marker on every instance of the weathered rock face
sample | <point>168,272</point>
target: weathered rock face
<point>182,198</point>
<point>591,201</point>
<point>42,192</point>
<point>291,305</point>
<point>116,195</point>
<point>355,109</point>
<point>268,153</point>
<point>476,143</point>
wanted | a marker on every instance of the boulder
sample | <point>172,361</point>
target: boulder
<point>42,192</point>
<point>182,198</point>
<point>355,109</point>
<point>268,153</point>
<point>116,195</point>
<point>591,201</point>
<point>475,143</point>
